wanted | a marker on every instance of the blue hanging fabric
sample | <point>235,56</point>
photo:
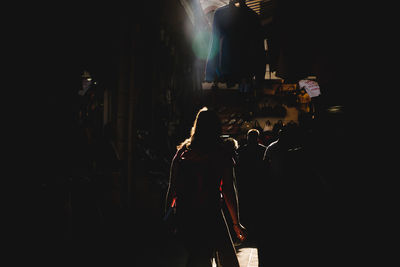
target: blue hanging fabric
<point>237,45</point>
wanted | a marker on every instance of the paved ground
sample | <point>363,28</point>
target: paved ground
<point>247,257</point>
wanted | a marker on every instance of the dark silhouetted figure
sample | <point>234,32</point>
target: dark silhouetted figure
<point>292,195</point>
<point>231,146</point>
<point>201,176</point>
<point>250,180</point>
<point>275,129</point>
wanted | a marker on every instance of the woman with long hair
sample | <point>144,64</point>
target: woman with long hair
<point>201,178</point>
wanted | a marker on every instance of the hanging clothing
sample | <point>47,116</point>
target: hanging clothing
<point>237,46</point>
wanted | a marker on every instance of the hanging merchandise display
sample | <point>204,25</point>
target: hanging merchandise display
<point>237,50</point>
<point>311,87</point>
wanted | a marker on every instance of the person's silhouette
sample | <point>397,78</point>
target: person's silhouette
<point>292,198</point>
<point>250,178</point>
<point>201,176</point>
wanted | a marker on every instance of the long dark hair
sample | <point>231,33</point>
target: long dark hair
<point>205,132</point>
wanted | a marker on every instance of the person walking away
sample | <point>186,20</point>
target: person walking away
<point>250,181</point>
<point>292,197</point>
<point>202,175</point>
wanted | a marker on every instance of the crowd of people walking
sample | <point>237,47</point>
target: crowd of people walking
<point>264,194</point>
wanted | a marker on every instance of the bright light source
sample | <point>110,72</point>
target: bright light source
<point>200,44</point>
